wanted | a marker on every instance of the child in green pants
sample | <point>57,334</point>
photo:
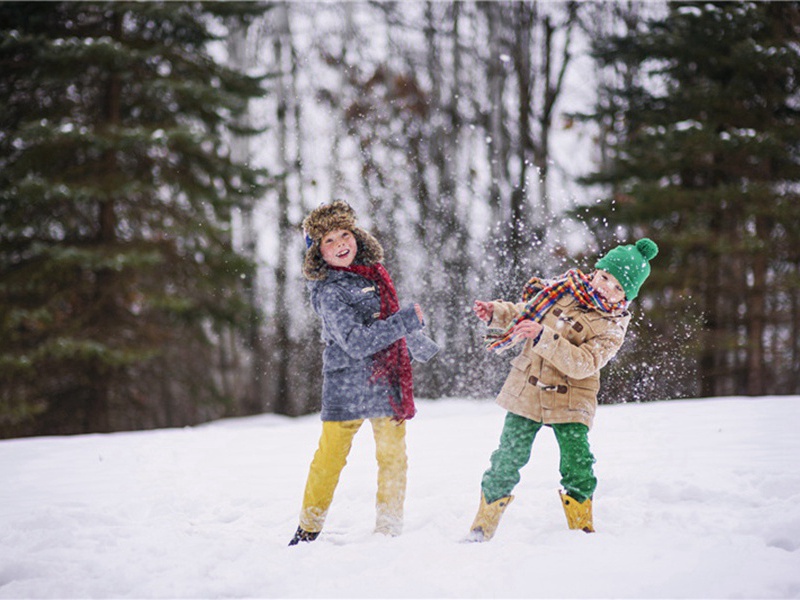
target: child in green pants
<point>571,327</point>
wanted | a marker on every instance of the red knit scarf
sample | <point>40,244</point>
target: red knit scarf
<point>392,364</point>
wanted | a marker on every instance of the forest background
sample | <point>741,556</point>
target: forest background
<point>156,160</point>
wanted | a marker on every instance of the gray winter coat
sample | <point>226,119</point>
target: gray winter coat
<point>349,306</point>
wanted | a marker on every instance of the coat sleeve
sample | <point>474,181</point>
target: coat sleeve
<point>580,362</point>
<point>356,339</point>
<point>504,313</point>
<point>421,347</point>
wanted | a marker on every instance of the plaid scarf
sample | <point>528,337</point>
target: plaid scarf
<point>391,365</point>
<point>539,295</point>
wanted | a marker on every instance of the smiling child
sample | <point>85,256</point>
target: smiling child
<point>369,343</point>
<point>571,327</point>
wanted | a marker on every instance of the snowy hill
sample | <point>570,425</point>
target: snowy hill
<point>696,499</point>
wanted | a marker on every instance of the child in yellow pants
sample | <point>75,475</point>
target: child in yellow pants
<point>366,365</point>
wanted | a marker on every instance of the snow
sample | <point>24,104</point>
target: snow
<point>697,499</point>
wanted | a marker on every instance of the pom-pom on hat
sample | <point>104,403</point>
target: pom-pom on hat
<point>331,217</point>
<point>630,264</point>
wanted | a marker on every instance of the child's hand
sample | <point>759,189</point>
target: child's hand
<point>526,329</point>
<point>420,316</point>
<point>483,310</point>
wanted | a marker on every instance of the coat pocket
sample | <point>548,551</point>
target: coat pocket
<point>515,382</point>
<point>346,389</point>
<point>583,395</point>
<point>334,358</point>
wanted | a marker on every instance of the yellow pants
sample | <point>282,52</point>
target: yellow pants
<point>330,458</point>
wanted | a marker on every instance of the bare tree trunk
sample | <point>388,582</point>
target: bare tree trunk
<point>794,332</point>
<point>252,398</point>
<point>98,410</point>
<point>281,402</point>
<point>708,363</point>
<point>756,313</point>
<point>525,14</point>
<point>496,80</point>
<point>553,73</point>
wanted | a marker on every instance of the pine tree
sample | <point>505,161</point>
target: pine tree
<point>704,149</point>
<point>116,190</point>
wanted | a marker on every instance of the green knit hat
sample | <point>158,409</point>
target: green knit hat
<point>630,264</point>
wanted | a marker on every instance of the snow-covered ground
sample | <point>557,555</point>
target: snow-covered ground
<point>697,499</point>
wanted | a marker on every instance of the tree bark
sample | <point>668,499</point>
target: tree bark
<point>281,401</point>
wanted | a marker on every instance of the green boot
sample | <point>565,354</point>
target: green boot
<point>579,514</point>
<point>487,519</point>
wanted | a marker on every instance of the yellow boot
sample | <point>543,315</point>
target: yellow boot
<point>579,514</point>
<point>487,519</point>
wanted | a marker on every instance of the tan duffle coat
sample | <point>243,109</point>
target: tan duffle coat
<point>557,379</point>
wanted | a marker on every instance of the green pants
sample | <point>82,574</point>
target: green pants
<point>516,441</point>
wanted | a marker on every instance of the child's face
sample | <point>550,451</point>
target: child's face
<point>338,248</point>
<point>607,286</point>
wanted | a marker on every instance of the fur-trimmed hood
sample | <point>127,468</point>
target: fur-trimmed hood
<point>330,217</point>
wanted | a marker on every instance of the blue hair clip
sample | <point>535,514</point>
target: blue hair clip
<point>309,241</point>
